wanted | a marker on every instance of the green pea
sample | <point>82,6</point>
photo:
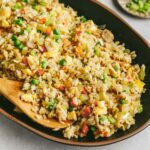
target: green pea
<point>14,37</point>
<point>19,21</point>
<point>56,32</point>
<point>43,64</point>
<point>20,46</point>
<point>122,101</point>
<point>71,108</point>
<point>34,82</point>
<point>116,68</point>
<point>62,62</point>
<point>93,128</point>
<point>17,42</point>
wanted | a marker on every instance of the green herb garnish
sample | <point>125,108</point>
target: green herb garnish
<point>83,19</point>
<point>52,104</point>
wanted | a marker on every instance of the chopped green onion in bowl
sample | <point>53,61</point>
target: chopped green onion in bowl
<point>140,6</point>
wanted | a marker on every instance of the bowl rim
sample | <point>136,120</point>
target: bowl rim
<point>85,144</point>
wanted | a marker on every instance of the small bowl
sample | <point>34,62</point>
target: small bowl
<point>123,4</point>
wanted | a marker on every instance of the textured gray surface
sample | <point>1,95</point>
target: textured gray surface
<point>14,137</point>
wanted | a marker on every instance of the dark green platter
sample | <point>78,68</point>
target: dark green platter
<point>92,9</point>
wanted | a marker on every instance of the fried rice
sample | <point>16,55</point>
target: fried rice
<point>72,69</point>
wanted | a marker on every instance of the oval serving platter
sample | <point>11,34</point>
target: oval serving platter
<point>92,9</point>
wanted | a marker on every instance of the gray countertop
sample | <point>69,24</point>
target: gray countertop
<point>14,137</point>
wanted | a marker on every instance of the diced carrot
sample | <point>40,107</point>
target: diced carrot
<point>40,72</point>
<point>87,111</point>
<point>79,51</point>
<point>105,134</point>
<point>79,33</point>
<point>43,49</point>
<point>24,11</point>
<point>128,78</point>
<point>43,20</point>
<point>96,103</point>
<point>84,91</point>
<point>65,69</point>
<point>75,43</point>
<point>61,88</point>
<point>64,23</point>
<point>25,61</point>
<point>72,103</point>
<point>48,30</point>
<point>97,132</point>
<point>85,129</point>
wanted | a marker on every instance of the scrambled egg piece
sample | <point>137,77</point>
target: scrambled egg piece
<point>140,85</point>
<point>101,109</point>
<point>5,13</point>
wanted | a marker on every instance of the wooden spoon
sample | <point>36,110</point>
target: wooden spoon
<point>12,91</point>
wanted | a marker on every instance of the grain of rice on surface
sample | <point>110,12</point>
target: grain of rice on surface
<point>72,69</point>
